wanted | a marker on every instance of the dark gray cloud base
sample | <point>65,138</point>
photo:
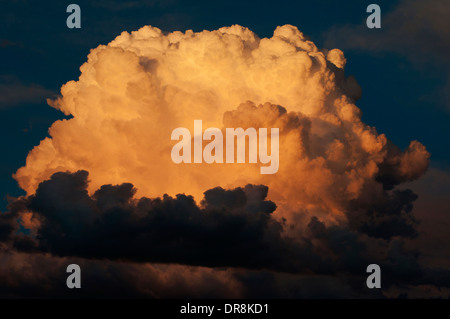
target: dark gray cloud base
<point>229,229</point>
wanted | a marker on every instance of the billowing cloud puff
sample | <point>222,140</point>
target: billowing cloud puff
<point>134,91</point>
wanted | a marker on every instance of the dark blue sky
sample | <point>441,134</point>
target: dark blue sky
<point>403,92</point>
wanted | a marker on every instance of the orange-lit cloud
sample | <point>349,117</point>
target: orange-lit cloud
<point>134,91</point>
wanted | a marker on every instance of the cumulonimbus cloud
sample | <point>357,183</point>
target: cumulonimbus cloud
<point>103,185</point>
<point>134,91</point>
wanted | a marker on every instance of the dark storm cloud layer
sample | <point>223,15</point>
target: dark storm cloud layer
<point>391,216</point>
<point>44,276</point>
<point>231,228</point>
